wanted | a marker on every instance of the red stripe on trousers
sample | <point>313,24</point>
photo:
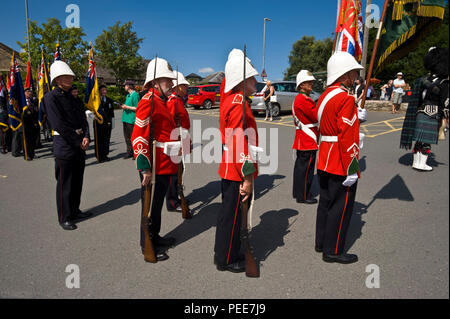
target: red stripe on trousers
<point>60,192</point>
<point>232,231</point>
<point>342,218</point>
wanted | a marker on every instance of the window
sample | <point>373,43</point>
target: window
<point>193,90</point>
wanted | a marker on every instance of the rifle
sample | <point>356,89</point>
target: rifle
<point>149,251</point>
<point>251,268</point>
<point>185,211</point>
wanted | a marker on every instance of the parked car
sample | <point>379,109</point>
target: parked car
<point>284,96</point>
<point>203,95</point>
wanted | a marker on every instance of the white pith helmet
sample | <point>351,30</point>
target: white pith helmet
<point>304,76</point>
<point>340,63</point>
<point>59,68</point>
<point>181,79</point>
<point>163,70</point>
<point>234,69</point>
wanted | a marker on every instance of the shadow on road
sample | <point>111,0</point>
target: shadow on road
<point>269,234</point>
<point>395,189</point>
<point>203,195</point>
<point>128,199</point>
<point>407,160</point>
<point>264,183</point>
<point>201,222</point>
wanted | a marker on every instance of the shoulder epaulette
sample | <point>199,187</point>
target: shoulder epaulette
<point>147,96</point>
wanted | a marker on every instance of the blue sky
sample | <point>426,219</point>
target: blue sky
<point>195,35</point>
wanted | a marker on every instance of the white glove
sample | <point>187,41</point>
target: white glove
<point>350,180</point>
<point>362,114</point>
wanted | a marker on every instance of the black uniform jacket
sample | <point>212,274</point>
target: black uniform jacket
<point>108,109</point>
<point>68,120</point>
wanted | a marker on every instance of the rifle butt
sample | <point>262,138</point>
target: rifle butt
<point>185,211</point>
<point>251,267</point>
<point>149,252</point>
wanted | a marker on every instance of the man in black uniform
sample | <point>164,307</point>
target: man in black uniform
<point>104,130</point>
<point>30,125</point>
<point>71,140</point>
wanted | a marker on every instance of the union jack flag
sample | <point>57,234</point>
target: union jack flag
<point>58,52</point>
<point>350,28</point>
<point>92,97</point>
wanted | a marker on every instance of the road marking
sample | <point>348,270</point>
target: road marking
<point>371,129</point>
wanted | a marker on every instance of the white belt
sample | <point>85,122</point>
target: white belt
<point>76,131</point>
<point>254,150</point>
<point>330,139</point>
<point>307,125</point>
<point>170,148</point>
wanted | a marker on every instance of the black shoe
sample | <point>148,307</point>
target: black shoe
<point>341,259</point>
<point>106,159</point>
<point>176,209</point>
<point>308,201</point>
<point>167,242</point>
<point>236,267</point>
<point>68,225</point>
<point>318,249</point>
<point>81,215</point>
<point>160,256</point>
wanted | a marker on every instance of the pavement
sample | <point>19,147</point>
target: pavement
<point>399,228</point>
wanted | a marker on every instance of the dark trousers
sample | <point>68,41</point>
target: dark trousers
<point>127,131</point>
<point>69,183</point>
<point>227,243</point>
<point>334,212</point>
<point>161,186</point>
<point>303,174</point>
<point>6,140</point>
<point>17,142</point>
<point>102,137</point>
<point>172,200</point>
<point>30,140</point>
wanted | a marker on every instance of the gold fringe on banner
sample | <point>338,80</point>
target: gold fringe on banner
<point>397,12</point>
<point>431,11</point>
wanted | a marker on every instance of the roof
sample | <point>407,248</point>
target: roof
<point>215,78</point>
<point>193,76</point>
<point>5,58</point>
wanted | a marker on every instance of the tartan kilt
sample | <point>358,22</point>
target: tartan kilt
<point>427,129</point>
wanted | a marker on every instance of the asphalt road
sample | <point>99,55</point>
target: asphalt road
<point>400,224</point>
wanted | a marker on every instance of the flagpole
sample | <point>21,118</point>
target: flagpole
<point>365,40</point>
<point>374,52</point>
<point>337,22</point>
<point>28,30</point>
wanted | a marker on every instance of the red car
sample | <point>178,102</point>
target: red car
<point>203,95</point>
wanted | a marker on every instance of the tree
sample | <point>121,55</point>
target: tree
<point>73,48</point>
<point>116,49</point>
<point>309,54</point>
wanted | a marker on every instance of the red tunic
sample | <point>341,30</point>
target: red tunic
<point>339,119</point>
<point>236,159</point>
<point>184,116</point>
<point>304,110</point>
<point>164,123</point>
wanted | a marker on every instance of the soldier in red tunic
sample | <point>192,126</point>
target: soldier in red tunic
<point>304,113</point>
<point>176,107</point>
<point>238,167</point>
<point>337,165</point>
<point>159,83</point>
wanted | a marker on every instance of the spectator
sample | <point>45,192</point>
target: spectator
<point>359,90</point>
<point>399,85</point>
<point>129,115</point>
<point>386,91</point>
<point>268,92</point>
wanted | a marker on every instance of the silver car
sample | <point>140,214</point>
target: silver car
<point>284,96</point>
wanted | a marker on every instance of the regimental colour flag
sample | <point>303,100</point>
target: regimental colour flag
<point>17,102</point>
<point>43,80</point>
<point>406,24</point>
<point>29,78</point>
<point>92,97</point>
<point>4,123</point>
<point>350,28</point>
